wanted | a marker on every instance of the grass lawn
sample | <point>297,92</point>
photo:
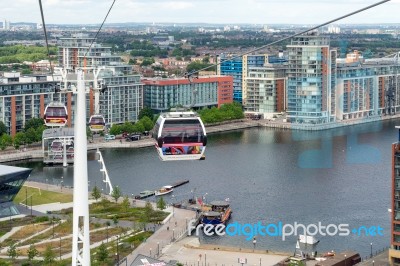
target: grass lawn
<point>40,196</point>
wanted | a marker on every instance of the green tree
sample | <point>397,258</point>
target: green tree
<point>33,123</point>
<point>5,141</point>
<point>147,123</point>
<point>139,127</point>
<point>147,213</point>
<point>89,133</point>
<point>39,133</point>
<point>116,129</point>
<point>96,194</point>
<point>3,128</point>
<point>49,255</point>
<point>126,204</point>
<point>161,203</point>
<point>146,111</point>
<point>116,193</point>
<point>115,220</point>
<point>30,135</point>
<point>102,253</point>
<point>12,252</point>
<point>32,252</point>
<point>19,139</point>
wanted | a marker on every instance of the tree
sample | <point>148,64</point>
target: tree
<point>32,252</point>
<point>146,111</point>
<point>30,135</point>
<point>126,204</point>
<point>115,220</point>
<point>116,194</point>
<point>102,253</point>
<point>3,128</point>
<point>5,141</point>
<point>96,194</point>
<point>89,133</point>
<point>12,252</point>
<point>161,203</point>
<point>19,139</point>
<point>147,123</point>
<point>33,123</point>
<point>49,255</point>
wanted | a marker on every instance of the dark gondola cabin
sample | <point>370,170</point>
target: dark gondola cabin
<point>55,115</point>
<point>97,123</point>
<point>180,136</point>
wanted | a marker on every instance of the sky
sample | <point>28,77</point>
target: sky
<point>228,12</point>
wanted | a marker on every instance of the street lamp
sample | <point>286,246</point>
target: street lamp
<point>371,250</point>
<point>117,249</point>
<point>173,234</point>
<point>150,252</point>
<point>373,263</point>
<point>345,259</point>
<point>158,248</point>
<point>173,198</point>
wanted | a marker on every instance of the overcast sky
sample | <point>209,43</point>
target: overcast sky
<point>210,11</point>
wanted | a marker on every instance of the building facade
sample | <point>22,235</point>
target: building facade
<point>266,90</point>
<point>123,98</point>
<point>163,94</point>
<point>394,250</point>
<point>311,94</point>
<point>368,88</point>
<point>23,98</point>
<point>11,181</point>
<point>232,65</point>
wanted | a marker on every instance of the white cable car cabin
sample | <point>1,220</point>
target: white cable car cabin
<point>55,115</point>
<point>97,123</point>
<point>180,136</point>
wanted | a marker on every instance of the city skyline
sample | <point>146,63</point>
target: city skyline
<point>196,11</point>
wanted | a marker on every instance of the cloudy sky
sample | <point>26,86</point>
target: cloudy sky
<point>211,11</point>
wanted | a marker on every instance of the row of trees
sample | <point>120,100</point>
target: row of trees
<point>32,133</point>
<point>48,255</point>
<point>145,123</point>
<point>20,53</point>
<point>226,112</point>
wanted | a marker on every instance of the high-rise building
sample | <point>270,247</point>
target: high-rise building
<point>311,86</point>
<point>25,97</point>
<point>237,67</point>
<point>123,99</point>
<point>394,250</point>
<point>266,90</point>
<point>163,94</point>
<point>367,88</point>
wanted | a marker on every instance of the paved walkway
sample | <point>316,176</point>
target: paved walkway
<point>189,252</point>
<point>173,229</point>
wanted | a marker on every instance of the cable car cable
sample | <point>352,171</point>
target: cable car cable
<point>293,35</point>
<point>101,26</point>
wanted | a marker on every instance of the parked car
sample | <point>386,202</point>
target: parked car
<point>109,137</point>
<point>133,137</point>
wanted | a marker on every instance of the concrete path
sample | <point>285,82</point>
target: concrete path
<point>169,232</point>
<point>189,252</point>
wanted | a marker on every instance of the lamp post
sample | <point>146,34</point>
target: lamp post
<point>345,256</point>
<point>158,248</point>
<point>150,252</point>
<point>371,250</point>
<point>173,234</point>
<point>173,212</point>
<point>26,197</point>
<point>373,263</point>
<point>117,250</point>
<point>60,247</point>
<point>260,261</point>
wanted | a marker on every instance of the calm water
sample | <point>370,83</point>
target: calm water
<point>266,175</point>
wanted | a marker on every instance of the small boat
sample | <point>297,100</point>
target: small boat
<point>144,194</point>
<point>308,240</point>
<point>164,190</point>
<point>220,213</point>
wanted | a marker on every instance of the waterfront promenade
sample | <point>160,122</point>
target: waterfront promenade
<point>36,152</point>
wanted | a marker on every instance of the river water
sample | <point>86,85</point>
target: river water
<point>337,176</point>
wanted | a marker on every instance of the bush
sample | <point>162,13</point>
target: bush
<point>41,219</point>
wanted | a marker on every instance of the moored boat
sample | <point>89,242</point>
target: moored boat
<point>220,213</point>
<point>164,190</point>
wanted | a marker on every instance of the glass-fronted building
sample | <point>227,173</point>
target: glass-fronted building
<point>162,94</point>
<point>311,80</point>
<point>11,181</point>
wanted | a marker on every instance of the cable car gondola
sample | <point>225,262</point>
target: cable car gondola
<point>180,136</point>
<point>55,115</point>
<point>97,123</point>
